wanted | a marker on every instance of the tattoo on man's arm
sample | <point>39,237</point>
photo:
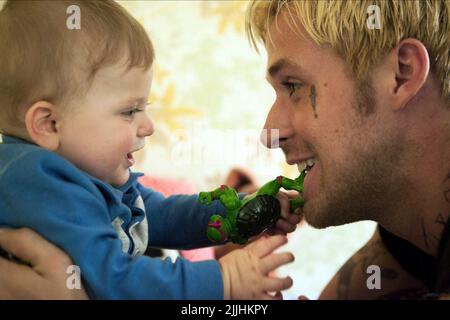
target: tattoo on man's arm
<point>447,191</point>
<point>429,239</point>
<point>359,262</point>
<point>345,277</point>
<point>424,234</point>
<point>440,219</point>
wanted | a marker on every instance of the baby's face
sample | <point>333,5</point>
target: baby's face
<point>100,131</point>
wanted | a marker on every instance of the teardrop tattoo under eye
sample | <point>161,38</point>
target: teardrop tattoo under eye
<point>313,96</point>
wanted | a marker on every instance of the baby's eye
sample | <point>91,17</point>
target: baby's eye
<point>130,113</point>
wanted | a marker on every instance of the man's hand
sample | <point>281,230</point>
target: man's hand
<point>45,275</point>
<point>245,271</point>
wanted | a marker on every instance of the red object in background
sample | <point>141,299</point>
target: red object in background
<point>170,187</point>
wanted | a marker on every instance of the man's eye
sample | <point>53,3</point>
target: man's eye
<point>291,87</point>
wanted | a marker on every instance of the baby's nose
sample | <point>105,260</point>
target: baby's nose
<point>146,128</point>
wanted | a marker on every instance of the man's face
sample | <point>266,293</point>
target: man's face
<point>317,112</point>
<point>100,131</point>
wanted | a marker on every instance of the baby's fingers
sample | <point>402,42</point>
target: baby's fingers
<point>283,227</point>
<point>275,260</point>
<point>284,203</point>
<point>298,212</point>
<point>277,296</point>
<point>264,246</point>
<point>277,284</point>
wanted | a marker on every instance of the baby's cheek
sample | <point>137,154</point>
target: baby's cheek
<point>99,163</point>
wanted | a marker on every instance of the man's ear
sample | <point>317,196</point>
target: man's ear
<point>412,65</point>
<point>40,120</point>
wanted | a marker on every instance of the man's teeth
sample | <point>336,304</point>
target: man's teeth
<point>301,166</point>
<point>305,164</point>
<point>311,162</point>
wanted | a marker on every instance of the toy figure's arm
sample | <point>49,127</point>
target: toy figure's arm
<point>206,197</point>
<point>227,196</point>
<point>296,184</point>
<point>273,187</point>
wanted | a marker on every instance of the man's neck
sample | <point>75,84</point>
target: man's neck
<point>420,217</point>
<point>428,232</point>
<point>423,220</point>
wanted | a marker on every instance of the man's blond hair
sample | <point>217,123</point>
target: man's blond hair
<point>43,59</point>
<point>343,26</point>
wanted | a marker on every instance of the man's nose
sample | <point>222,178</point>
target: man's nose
<point>277,128</point>
<point>146,128</point>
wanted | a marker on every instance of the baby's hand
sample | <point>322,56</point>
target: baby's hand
<point>245,271</point>
<point>288,220</point>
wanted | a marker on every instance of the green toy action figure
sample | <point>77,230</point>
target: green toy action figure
<point>252,215</point>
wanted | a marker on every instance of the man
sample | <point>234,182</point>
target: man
<point>367,111</point>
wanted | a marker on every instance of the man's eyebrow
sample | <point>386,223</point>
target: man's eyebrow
<point>280,64</point>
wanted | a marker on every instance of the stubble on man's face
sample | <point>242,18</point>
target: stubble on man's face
<point>369,184</point>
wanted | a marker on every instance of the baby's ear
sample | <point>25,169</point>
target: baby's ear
<point>40,120</point>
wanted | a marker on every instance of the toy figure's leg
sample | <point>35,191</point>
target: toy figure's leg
<point>217,229</point>
<point>296,203</point>
<point>271,188</point>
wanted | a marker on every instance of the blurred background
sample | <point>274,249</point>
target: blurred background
<point>209,101</point>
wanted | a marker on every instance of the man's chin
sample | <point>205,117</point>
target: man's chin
<point>314,218</point>
<point>322,222</point>
<point>321,218</point>
<point>316,223</point>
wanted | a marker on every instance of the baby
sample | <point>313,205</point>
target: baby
<point>72,113</point>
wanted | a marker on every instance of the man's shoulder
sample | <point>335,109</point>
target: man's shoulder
<point>374,273</point>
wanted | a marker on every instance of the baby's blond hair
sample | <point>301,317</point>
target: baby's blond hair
<point>42,59</point>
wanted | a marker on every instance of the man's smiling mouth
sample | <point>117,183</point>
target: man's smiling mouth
<point>307,164</point>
